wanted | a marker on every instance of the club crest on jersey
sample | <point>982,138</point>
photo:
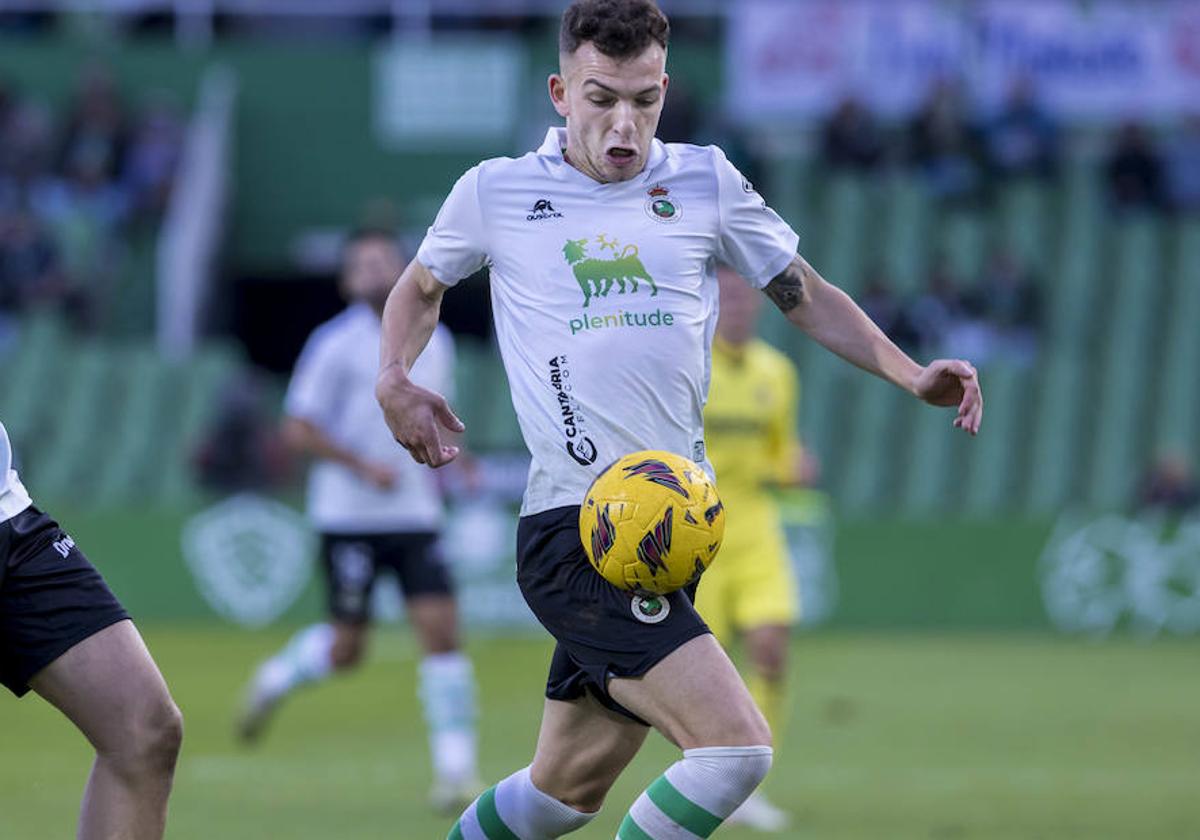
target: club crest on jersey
<point>596,276</point>
<point>661,206</point>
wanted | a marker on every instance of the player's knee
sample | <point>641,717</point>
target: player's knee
<point>581,792</point>
<point>347,650</point>
<point>166,739</point>
<point>730,774</point>
<point>770,662</point>
<point>588,796</point>
<point>149,742</point>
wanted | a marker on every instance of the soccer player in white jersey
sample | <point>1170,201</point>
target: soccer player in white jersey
<point>64,634</point>
<point>375,509</point>
<point>602,246</point>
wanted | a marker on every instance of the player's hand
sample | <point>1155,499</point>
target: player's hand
<point>953,382</point>
<point>416,417</point>
<point>382,477</point>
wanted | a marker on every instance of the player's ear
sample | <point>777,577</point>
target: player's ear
<point>558,94</point>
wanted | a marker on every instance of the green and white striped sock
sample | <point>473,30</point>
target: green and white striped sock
<point>516,810</point>
<point>696,794</point>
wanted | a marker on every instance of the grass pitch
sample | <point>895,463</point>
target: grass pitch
<point>960,738</point>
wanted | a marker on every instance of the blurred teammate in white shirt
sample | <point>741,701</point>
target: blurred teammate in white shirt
<point>375,509</point>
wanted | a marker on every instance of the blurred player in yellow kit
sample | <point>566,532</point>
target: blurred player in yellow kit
<point>749,593</point>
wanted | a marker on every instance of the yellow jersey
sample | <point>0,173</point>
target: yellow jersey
<point>750,422</point>
<point>750,437</point>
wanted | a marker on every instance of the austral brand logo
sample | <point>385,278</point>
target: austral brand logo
<point>661,206</point>
<point>579,445</point>
<point>542,209</point>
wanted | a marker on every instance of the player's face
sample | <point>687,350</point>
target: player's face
<point>370,269</point>
<point>611,107</point>
<point>739,307</point>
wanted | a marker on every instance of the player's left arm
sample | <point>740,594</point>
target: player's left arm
<point>833,319</point>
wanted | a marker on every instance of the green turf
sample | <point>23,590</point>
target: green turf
<point>910,737</point>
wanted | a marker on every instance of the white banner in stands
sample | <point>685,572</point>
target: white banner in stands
<point>1103,60</point>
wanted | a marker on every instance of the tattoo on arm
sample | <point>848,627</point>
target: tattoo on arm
<point>787,289</point>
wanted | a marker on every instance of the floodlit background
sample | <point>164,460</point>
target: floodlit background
<point>1001,634</point>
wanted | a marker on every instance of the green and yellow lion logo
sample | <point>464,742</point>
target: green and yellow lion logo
<point>597,276</point>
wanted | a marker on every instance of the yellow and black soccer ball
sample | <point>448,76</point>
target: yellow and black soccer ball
<point>652,522</point>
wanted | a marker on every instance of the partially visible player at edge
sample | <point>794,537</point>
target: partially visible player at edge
<point>750,432</point>
<point>64,635</point>
<point>375,510</point>
<point>616,290</point>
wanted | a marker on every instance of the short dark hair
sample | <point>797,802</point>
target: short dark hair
<point>618,28</point>
<point>369,234</point>
<point>359,235</point>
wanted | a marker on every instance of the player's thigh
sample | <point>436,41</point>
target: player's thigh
<point>435,620</point>
<point>110,687</point>
<point>582,748</point>
<point>695,698</point>
<point>428,588</point>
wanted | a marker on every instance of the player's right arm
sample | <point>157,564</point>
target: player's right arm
<point>415,415</point>
<point>306,438</point>
<point>454,248</point>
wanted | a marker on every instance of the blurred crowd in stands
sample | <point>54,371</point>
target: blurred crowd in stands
<point>962,158</point>
<point>995,319</point>
<point>74,182</point>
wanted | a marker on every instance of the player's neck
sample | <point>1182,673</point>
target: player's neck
<point>580,163</point>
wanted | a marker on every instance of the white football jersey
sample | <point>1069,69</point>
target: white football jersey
<point>333,387</point>
<point>13,498</point>
<point>605,296</point>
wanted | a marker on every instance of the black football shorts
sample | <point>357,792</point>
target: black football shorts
<point>51,597</point>
<point>602,631</point>
<point>352,563</point>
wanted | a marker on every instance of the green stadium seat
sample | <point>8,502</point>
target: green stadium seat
<point>862,482</point>
<point>1178,416</point>
<point>903,231</point>
<point>1118,451</point>
<point>1059,406</point>
<point>995,455</point>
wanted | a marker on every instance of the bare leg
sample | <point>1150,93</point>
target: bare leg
<point>349,645</point>
<point>109,687</point>
<point>582,748</point>
<point>766,646</point>
<point>695,698</point>
<point>435,620</point>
